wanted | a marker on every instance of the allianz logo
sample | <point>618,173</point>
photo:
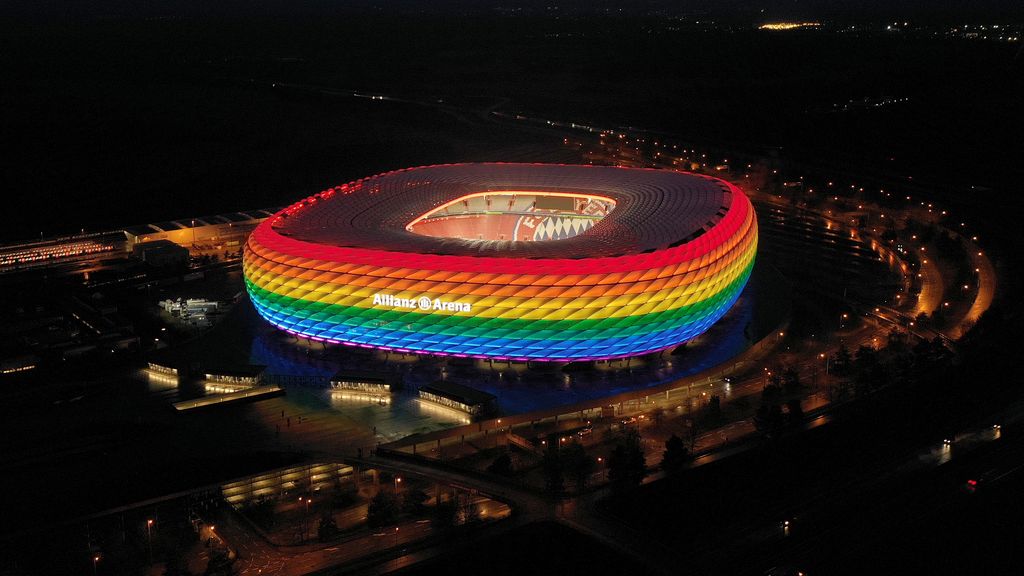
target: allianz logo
<point>424,303</point>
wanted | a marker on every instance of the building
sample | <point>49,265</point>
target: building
<point>306,479</point>
<point>194,311</point>
<point>163,368</point>
<point>240,375</point>
<point>365,382</point>
<point>459,397</point>
<point>219,232</point>
<point>160,253</point>
<point>58,251</point>
<point>506,261</point>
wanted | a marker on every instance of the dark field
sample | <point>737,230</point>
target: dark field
<point>119,121</point>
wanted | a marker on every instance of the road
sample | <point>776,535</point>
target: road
<point>256,556</point>
<point>986,290</point>
<point>932,287</point>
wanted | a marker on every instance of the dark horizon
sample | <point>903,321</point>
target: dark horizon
<point>948,11</point>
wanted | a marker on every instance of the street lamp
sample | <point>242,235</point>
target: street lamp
<point>396,536</point>
<point>398,480</point>
<point>95,561</point>
<point>305,517</point>
<point>149,538</point>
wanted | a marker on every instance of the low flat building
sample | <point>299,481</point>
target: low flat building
<point>160,253</point>
<point>163,368</point>
<point>218,232</point>
<point>365,382</point>
<point>459,397</point>
<point>285,482</point>
<point>241,375</point>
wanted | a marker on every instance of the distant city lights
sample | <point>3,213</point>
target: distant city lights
<point>788,25</point>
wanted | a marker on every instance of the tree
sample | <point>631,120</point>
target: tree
<point>868,370</point>
<point>327,528</point>
<point>445,513</point>
<point>502,465</point>
<point>343,495</point>
<point>626,464</point>
<point>904,373</point>
<point>714,408</point>
<point>692,432</point>
<point>795,412</point>
<point>383,510</point>
<point>771,394</point>
<point>219,562</point>
<point>841,361</point>
<point>866,358</point>
<point>578,465</point>
<point>791,379</point>
<point>897,340</point>
<point>675,454</point>
<point>768,418</point>
<point>551,464</point>
<point>922,350</point>
<point>414,501</point>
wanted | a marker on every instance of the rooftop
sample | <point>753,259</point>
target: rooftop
<point>654,209</point>
<point>464,394</point>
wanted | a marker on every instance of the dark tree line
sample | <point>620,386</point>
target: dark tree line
<point>562,461</point>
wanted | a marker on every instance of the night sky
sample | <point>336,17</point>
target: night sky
<point>954,10</point>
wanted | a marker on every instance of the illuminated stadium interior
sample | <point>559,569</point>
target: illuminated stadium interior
<point>416,261</point>
<point>514,215</point>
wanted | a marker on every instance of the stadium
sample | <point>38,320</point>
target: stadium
<point>506,261</point>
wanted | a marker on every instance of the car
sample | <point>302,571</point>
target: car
<point>973,484</point>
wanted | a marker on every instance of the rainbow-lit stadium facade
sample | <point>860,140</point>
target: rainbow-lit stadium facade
<point>666,256</point>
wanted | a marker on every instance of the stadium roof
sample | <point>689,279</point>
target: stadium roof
<point>654,209</point>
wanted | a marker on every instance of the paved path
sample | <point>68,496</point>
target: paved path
<point>986,292</point>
